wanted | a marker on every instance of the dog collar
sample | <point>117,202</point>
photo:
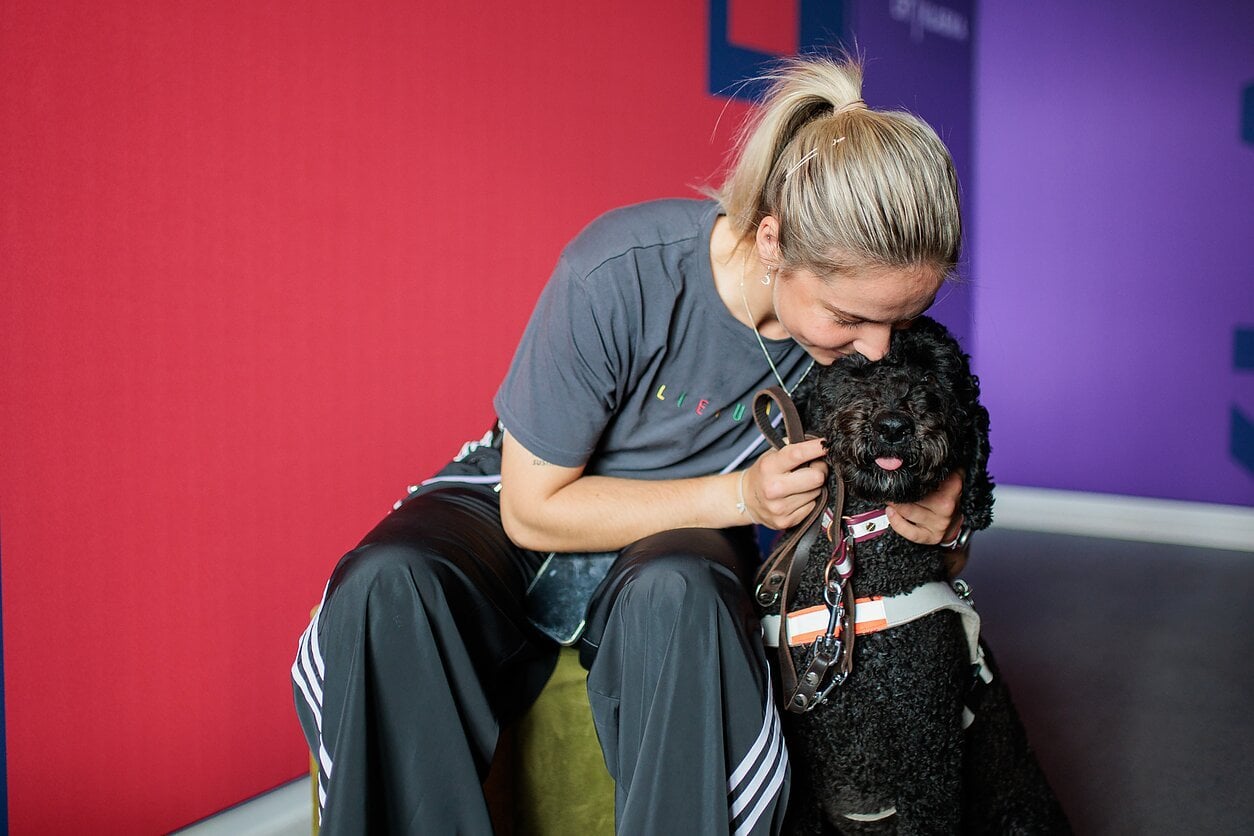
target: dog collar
<point>868,525</point>
<point>862,527</point>
<point>856,529</point>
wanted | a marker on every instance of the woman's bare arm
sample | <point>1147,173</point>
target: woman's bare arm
<point>546,507</point>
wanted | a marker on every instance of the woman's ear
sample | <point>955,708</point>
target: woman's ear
<point>767,240</point>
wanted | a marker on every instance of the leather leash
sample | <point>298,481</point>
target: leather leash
<point>778,576</point>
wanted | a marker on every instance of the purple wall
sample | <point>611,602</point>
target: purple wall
<point>919,58</point>
<point>1114,246</point>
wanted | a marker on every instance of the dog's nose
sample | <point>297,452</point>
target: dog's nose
<point>893,426</point>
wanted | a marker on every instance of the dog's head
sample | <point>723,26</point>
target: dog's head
<point>896,427</point>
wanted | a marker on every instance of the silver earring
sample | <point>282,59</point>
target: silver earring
<point>767,278</point>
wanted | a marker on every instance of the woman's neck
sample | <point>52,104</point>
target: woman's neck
<point>737,268</point>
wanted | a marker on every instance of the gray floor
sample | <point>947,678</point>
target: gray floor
<point>1131,663</point>
<point>1133,667</point>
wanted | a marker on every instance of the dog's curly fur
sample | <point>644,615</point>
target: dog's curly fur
<point>891,735</point>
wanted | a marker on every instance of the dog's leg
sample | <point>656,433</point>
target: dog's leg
<point>1006,791</point>
<point>930,727</point>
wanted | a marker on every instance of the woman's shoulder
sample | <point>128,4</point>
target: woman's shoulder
<point>654,223</point>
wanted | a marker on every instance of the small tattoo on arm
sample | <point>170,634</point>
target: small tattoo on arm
<point>539,463</point>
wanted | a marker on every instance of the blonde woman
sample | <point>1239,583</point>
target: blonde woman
<point>627,432</point>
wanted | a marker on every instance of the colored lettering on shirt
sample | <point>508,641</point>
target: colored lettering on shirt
<point>703,405</point>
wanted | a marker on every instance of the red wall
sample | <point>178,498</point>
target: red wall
<point>263,264</point>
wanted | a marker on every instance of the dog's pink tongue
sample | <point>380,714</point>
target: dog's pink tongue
<point>888,463</point>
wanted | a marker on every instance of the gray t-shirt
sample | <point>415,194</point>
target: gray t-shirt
<point>631,364</point>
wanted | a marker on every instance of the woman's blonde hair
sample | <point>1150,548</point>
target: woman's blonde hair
<point>849,186</point>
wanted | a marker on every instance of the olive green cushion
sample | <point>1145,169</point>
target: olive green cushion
<point>548,778</point>
<point>560,782</point>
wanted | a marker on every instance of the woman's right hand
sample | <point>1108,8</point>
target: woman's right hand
<point>781,487</point>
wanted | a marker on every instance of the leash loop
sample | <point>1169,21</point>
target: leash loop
<point>775,396</point>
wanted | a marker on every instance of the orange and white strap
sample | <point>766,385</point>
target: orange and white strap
<point>882,613</point>
<point>804,626</point>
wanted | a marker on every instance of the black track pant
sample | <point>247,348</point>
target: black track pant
<point>421,651</point>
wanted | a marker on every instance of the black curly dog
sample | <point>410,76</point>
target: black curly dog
<point>887,751</point>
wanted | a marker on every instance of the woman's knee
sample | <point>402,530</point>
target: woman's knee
<point>670,587</point>
<point>388,567</point>
<point>676,584</point>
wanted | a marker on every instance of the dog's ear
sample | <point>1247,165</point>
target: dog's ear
<point>955,366</point>
<point>977,487</point>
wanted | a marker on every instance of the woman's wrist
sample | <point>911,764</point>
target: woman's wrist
<point>742,507</point>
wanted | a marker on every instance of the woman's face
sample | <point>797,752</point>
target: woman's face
<point>853,312</point>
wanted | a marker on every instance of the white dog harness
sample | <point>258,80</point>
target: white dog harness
<point>877,613</point>
<point>880,612</point>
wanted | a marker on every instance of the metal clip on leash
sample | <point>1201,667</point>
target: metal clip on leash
<point>824,653</point>
<point>829,655</point>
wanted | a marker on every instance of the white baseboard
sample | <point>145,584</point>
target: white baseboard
<point>1125,517</point>
<point>286,811</point>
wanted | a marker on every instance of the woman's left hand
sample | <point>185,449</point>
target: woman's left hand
<point>935,518</point>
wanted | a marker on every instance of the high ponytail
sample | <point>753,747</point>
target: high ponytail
<point>849,186</point>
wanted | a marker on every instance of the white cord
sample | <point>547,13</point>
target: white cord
<point>758,334</point>
<point>762,344</point>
